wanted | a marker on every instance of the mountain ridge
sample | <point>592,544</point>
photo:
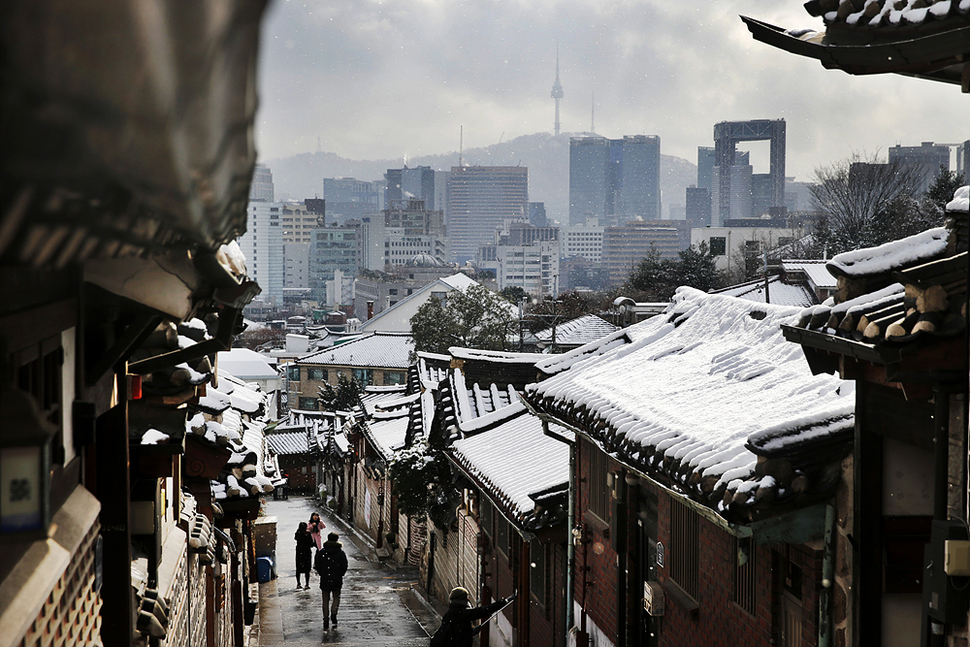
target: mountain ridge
<point>546,156</point>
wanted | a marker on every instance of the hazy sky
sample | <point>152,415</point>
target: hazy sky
<point>385,80</point>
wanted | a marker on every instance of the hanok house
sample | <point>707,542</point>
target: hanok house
<point>508,532</point>
<point>897,327</point>
<point>117,206</point>
<point>378,359</point>
<point>295,451</point>
<point>706,460</point>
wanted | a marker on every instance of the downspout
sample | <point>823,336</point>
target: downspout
<point>570,521</point>
<point>828,581</point>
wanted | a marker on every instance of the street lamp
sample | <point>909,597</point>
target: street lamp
<point>25,465</point>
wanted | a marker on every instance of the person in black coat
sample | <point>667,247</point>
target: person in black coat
<point>304,560</point>
<point>331,565</point>
<point>461,616</point>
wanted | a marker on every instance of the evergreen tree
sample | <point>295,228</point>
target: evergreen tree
<point>345,396</point>
<point>474,318</point>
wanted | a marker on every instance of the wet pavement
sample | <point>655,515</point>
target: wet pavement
<point>379,604</point>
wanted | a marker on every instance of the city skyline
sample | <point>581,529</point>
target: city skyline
<point>490,72</point>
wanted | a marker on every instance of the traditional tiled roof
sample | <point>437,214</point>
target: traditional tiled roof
<point>890,296</point>
<point>779,292</point>
<point>922,38</point>
<point>294,442</point>
<point>578,331</point>
<point>680,396</point>
<point>372,350</point>
<point>513,461</point>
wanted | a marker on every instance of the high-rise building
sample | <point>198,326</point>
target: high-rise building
<point>582,240</point>
<point>588,185</point>
<point>537,214</point>
<point>705,167</point>
<point>963,161</point>
<point>298,220</point>
<point>332,248</point>
<point>261,189</point>
<point>407,183</point>
<point>523,256</point>
<point>927,157</point>
<point>734,184</point>
<point>614,180</point>
<point>349,198</point>
<point>624,247</point>
<point>698,210</point>
<point>480,199</point>
<point>262,245</point>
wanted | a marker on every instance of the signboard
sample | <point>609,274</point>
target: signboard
<point>661,554</point>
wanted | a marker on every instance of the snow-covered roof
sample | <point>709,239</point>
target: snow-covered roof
<point>501,357</point>
<point>371,350</point>
<point>779,292</point>
<point>814,270</point>
<point>387,432</point>
<point>961,198</point>
<point>246,364</point>
<point>513,460</point>
<point>294,442</point>
<point>912,250</point>
<point>578,331</point>
<point>680,395</point>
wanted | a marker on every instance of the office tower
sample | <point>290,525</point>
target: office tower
<point>636,185</point>
<point>372,243</point>
<point>351,198</point>
<point>261,189</point>
<point>537,214</point>
<point>963,161</point>
<point>614,180</point>
<point>523,256</point>
<point>405,183</point>
<point>480,199</point>
<point>705,167</point>
<point>698,210</point>
<point>331,249</point>
<point>588,187</point>
<point>411,229</point>
<point>557,94</point>
<point>734,181</point>
<point>582,240</point>
<point>262,245</point>
<point>297,221</point>
<point>624,247</point>
<point>927,157</point>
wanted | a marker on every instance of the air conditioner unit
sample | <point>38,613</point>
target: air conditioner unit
<point>653,598</point>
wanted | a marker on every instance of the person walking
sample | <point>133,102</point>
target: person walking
<point>456,625</point>
<point>331,565</point>
<point>304,560</point>
<point>315,526</point>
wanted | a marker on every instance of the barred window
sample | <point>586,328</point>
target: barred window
<point>744,574</point>
<point>684,547</point>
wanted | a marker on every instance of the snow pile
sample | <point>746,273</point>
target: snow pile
<point>961,198</point>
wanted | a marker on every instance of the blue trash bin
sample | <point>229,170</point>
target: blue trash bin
<point>264,569</point>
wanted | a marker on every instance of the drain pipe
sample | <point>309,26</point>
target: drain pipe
<point>570,521</point>
<point>828,580</point>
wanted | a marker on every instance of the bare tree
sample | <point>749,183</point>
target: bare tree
<point>855,193</point>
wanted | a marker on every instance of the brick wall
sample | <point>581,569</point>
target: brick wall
<point>71,615</point>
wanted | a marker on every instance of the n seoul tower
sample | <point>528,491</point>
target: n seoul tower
<point>557,91</point>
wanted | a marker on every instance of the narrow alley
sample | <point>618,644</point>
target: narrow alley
<point>378,604</point>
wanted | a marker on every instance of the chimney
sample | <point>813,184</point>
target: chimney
<point>370,310</point>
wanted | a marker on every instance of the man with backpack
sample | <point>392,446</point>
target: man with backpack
<point>331,565</point>
<point>456,625</point>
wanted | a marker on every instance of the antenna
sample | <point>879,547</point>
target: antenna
<point>318,144</point>
<point>592,112</point>
<point>461,138</point>
<point>557,93</point>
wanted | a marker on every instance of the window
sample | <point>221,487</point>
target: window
<point>393,377</point>
<point>744,574</point>
<point>718,245</point>
<point>599,495</point>
<point>684,549</point>
<point>308,404</point>
<point>319,374</point>
<point>293,373</point>
<point>364,375</point>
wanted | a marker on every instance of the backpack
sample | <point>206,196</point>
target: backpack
<point>446,636</point>
<point>326,565</point>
